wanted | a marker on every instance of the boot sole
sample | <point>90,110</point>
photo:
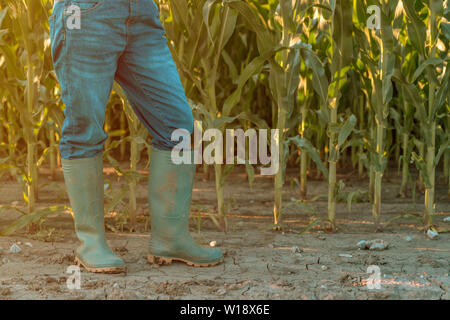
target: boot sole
<point>164,260</point>
<point>110,270</point>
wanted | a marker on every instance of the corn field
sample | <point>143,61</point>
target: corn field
<point>350,84</point>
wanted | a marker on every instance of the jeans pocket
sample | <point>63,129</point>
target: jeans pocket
<point>85,6</point>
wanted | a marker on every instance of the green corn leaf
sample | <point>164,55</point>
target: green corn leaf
<point>219,123</point>
<point>228,168</point>
<point>320,80</point>
<point>442,149</point>
<point>255,23</point>
<point>181,12</point>
<point>445,27</point>
<point>206,13</point>
<point>346,130</point>
<point>3,13</point>
<point>117,198</point>
<point>443,92</point>
<point>306,145</point>
<point>417,30</point>
<point>429,62</point>
<point>251,69</point>
<point>27,219</point>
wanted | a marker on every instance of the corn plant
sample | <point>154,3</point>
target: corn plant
<point>430,80</point>
<point>137,139</point>
<point>311,92</point>
<point>279,44</point>
<point>339,58</point>
<point>381,61</point>
<point>27,55</point>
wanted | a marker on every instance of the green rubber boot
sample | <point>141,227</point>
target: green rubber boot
<point>84,183</point>
<point>170,191</point>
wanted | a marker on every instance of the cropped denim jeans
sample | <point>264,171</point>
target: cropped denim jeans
<point>121,40</point>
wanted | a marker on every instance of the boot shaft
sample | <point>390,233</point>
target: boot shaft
<point>84,184</point>
<point>169,189</point>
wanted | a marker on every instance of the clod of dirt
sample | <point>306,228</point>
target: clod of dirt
<point>295,249</point>
<point>349,280</point>
<point>432,234</point>
<point>363,244</point>
<point>91,283</point>
<point>345,278</point>
<point>121,249</point>
<point>51,280</point>
<point>221,292</point>
<point>376,244</point>
<point>14,248</point>
<point>435,263</point>
<point>62,259</point>
<point>5,291</point>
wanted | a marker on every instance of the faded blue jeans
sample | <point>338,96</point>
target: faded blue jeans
<point>120,40</point>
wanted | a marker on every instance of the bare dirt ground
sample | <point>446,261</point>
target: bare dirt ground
<point>259,263</point>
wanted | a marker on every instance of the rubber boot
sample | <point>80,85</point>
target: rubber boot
<point>84,183</point>
<point>170,191</point>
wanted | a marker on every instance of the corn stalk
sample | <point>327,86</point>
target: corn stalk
<point>340,60</point>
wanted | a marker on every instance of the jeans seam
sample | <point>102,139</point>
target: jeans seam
<point>65,63</point>
<point>156,14</point>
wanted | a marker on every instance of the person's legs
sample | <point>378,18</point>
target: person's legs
<point>149,76</point>
<point>85,59</point>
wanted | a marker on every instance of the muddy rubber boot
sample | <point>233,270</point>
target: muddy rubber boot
<point>84,183</point>
<point>170,191</point>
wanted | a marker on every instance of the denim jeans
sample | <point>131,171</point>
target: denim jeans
<point>121,40</point>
